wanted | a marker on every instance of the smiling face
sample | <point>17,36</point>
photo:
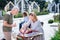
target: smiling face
<point>32,17</point>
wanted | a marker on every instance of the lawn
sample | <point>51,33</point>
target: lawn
<point>56,18</point>
<point>19,15</point>
<point>56,36</point>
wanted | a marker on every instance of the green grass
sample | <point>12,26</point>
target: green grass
<point>44,12</point>
<point>56,36</point>
<point>19,15</point>
<point>3,12</point>
<point>56,18</point>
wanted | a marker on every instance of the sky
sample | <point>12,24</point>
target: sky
<point>46,0</point>
<point>49,0</point>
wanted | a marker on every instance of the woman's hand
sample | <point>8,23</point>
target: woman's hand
<point>22,31</point>
<point>34,30</point>
<point>28,31</point>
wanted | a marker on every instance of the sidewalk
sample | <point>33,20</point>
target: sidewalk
<point>48,31</point>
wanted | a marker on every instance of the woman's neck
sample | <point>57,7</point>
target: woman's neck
<point>34,20</point>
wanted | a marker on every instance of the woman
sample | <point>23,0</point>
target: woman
<point>35,27</point>
<point>25,19</point>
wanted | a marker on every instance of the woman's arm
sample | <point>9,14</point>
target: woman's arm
<point>30,31</point>
<point>28,23</point>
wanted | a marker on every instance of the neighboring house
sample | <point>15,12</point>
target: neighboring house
<point>1,17</point>
<point>27,6</point>
<point>24,5</point>
<point>9,6</point>
<point>53,7</point>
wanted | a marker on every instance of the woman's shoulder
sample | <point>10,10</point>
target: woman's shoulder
<point>38,21</point>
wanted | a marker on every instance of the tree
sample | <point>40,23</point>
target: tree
<point>9,1</point>
<point>41,3</point>
<point>3,3</point>
<point>56,1</point>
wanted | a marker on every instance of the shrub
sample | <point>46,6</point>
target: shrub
<point>37,13</point>
<point>18,15</point>
<point>3,13</point>
<point>50,21</point>
<point>56,18</point>
<point>56,36</point>
<point>42,13</point>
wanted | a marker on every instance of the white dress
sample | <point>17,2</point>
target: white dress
<point>35,26</point>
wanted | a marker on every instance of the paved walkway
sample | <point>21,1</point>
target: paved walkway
<point>48,31</point>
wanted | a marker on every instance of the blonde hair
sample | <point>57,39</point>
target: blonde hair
<point>34,15</point>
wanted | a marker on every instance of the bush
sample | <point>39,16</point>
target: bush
<point>3,13</point>
<point>56,36</point>
<point>50,21</point>
<point>18,15</point>
<point>42,13</point>
<point>56,18</point>
<point>37,13</point>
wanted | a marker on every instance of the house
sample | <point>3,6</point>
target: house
<point>27,6</point>
<point>9,6</point>
<point>1,17</point>
<point>24,5</point>
<point>53,7</point>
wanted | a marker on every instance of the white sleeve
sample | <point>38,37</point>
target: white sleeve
<point>28,23</point>
<point>38,27</point>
